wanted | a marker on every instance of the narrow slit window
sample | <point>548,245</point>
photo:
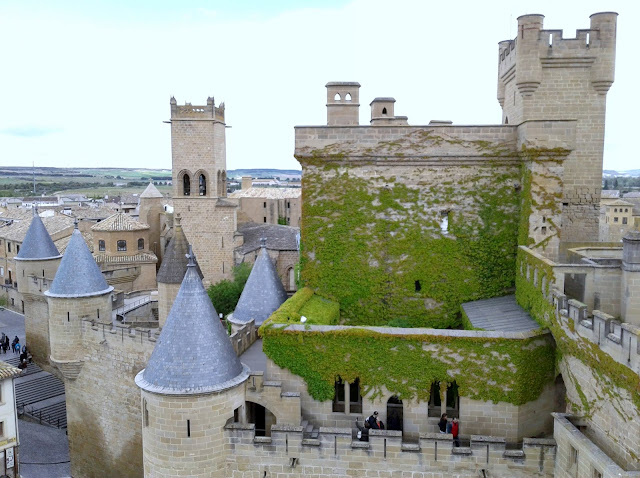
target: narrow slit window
<point>98,312</point>
<point>68,316</point>
<point>418,286</point>
<point>188,428</point>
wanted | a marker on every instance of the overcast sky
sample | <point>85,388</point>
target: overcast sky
<point>87,83</point>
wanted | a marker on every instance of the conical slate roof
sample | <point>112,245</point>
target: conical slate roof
<point>262,294</point>
<point>37,242</point>
<point>193,354</point>
<point>174,262</point>
<point>78,274</point>
<point>151,192</point>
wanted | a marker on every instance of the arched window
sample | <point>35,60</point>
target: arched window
<point>101,246</point>
<point>223,193</point>
<point>186,185</point>
<point>291,277</point>
<point>140,244</point>
<point>384,111</point>
<point>202,185</point>
<point>122,246</point>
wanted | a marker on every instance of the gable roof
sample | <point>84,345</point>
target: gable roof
<point>119,222</point>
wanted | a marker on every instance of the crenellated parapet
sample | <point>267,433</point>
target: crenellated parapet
<point>294,454</point>
<point>191,112</point>
<point>524,57</point>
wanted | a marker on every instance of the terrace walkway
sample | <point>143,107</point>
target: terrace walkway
<point>500,314</point>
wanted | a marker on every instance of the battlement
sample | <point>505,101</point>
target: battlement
<point>620,340</point>
<point>592,47</point>
<point>288,448</point>
<point>190,112</point>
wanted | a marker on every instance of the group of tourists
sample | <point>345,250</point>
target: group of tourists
<point>374,423</point>
<point>452,427</point>
<point>16,348</point>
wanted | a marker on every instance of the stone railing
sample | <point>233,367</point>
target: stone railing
<point>385,448</point>
<point>244,337</point>
<point>578,456</point>
<point>618,339</point>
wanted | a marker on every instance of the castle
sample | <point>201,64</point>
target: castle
<point>414,239</point>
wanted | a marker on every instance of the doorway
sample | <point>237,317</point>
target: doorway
<point>394,414</point>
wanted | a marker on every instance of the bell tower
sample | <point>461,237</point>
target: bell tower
<point>199,164</point>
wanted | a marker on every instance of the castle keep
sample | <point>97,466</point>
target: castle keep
<point>446,268</point>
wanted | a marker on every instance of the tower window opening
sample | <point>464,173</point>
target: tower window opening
<point>444,222</point>
<point>588,38</point>
<point>202,185</point>
<point>544,230</point>
<point>140,244</point>
<point>264,204</point>
<point>418,286</point>
<point>122,245</point>
<point>145,412</point>
<point>188,428</point>
<point>337,97</point>
<point>506,120</point>
<point>101,245</point>
<point>347,97</point>
<point>384,111</point>
<point>186,185</point>
<point>550,39</point>
<point>98,311</point>
<point>42,272</point>
<point>68,317</point>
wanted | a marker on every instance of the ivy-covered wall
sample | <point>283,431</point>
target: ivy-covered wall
<point>611,392</point>
<point>372,238</point>
<point>496,369</point>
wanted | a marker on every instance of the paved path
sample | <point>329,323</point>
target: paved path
<point>254,357</point>
<point>44,451</point>
<point>501,314</point>
<point>12,324</point>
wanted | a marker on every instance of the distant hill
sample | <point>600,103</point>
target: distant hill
<point>610,173</point>
<point>27,173</point>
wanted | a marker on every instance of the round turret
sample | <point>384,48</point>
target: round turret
<point>78,292</point>
<point>195,377</point>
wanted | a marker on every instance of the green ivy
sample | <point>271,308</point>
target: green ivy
<point>499,370</point>
<point>375,246</point>
<point>533,299</point>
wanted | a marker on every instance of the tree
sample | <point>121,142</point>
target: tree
<point>225,294</point>
<point>615,183</point>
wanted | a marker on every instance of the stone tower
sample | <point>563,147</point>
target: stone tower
<point>543,76</point>
<point>36,264</point>
<point>191,386</point>
<point>630,300</point>
<point>78,292</point>
<point>172,271</point>
<point>151,207</point>
<point>200,183</point>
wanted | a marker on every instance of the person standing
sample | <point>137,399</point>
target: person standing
<point>455,429</point>
<point>442,424</point>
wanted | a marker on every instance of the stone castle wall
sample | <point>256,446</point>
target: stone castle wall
<point>184,433</point>
<point>210,229</point>
<point>103,403</point>
<point>336,454</point>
